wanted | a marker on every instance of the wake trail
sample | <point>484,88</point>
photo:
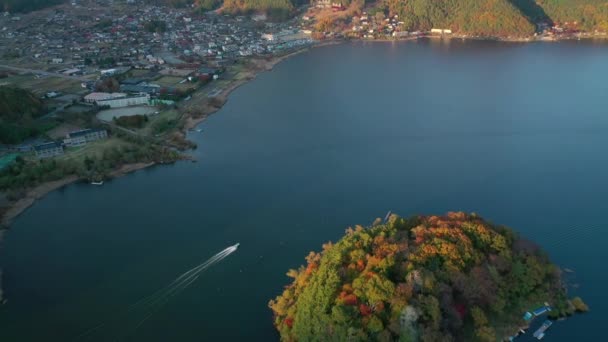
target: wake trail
<point>154,302</point>
<point>183,277</point>
<point>176,292</point>
<point>175,285</point>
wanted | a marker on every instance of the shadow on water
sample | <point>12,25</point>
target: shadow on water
<point>532,11</point>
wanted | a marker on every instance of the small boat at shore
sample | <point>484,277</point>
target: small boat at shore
<point>97,183</point>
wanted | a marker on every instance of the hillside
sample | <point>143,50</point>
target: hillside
<point>588,14</point>
<point>275,9</point>
<point>454,277</point>
<point>18,109</point>
<point>22,6</point>
<point>484,17</point>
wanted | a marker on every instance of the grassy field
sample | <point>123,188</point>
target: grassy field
<point>169,81</point>
<point>92,149</point>
<point>165,119</point>
<point>43,85</point>
<point>135,73</point>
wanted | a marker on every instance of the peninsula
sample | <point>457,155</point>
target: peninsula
<point>424,278</point>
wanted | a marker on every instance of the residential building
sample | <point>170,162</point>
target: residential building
<point>125,101</point>
<point>48,150</point>
<point>79,138</point>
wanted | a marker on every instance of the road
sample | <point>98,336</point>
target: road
<point>46,73</point>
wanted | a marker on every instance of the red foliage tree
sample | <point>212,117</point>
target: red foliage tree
<point>365,310</point>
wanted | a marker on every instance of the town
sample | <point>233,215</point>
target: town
<point>103,66</point>
<point>116,83</point>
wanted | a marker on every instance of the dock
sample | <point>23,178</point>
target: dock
<point>388,215</point>
<point>540,333</point>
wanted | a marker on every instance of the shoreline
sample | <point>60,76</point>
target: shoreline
<point>14,209</point>
<point>259,65</point>
<point>531,39</point>
<point>40,191</point>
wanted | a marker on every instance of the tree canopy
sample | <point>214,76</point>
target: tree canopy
<point>434,278</point>
<point>18,110</point>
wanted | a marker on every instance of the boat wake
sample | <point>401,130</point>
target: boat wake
<point>148,306</point>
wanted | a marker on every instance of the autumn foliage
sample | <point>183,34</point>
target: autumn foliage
<point>434,278</point>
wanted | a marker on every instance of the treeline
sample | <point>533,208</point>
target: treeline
<point>131,121</point>
<point>23,174</point>
<point>19,110</point>
<point>449,278</point>
<point>23,6</point>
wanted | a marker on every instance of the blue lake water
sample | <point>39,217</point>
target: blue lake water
<point>330,138</point>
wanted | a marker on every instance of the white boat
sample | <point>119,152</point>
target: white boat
<point>97,183</point>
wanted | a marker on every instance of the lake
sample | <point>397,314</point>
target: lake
<point>330,138</point>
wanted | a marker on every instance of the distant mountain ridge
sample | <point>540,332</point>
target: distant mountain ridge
<point>487,17</point>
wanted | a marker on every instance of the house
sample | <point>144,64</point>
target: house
<point>208,71</point>
<point>48,150</point>
<point>323,3</point>
<point>78,138</point>
<point>57,60</point>
<point>268,36</point>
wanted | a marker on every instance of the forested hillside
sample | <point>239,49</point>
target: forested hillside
<point>18,109</point>
<point>449,278</point>
<point>479,17</point>
<point>588,14</point>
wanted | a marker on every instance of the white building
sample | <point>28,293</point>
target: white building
<point>95,97</point>
<point>441,31</point>
<point>400,34</point>
<point>125,101</point>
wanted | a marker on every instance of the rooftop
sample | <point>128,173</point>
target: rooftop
<point>47,146</point>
